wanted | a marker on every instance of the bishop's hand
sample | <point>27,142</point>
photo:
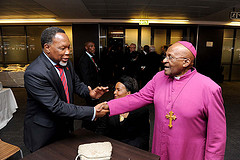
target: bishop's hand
<point>105,106</point>
<point>101,110</point>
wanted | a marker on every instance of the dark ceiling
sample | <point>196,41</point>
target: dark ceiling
<point>194,10</point>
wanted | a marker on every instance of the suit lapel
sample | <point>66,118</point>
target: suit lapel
<point>94,65</point>
<point>57,83</point>
<point>54,78</point>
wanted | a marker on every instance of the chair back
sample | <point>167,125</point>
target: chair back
<point>7,150</point>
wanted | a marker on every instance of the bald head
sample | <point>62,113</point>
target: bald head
<point>178,61</point>
<point>181,51</point>
<point>188,53</point>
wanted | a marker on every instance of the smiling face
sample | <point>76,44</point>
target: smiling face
<point>120,91</point>
<point>59,49</point>
<point>178,60</point>
<point>90,48</point>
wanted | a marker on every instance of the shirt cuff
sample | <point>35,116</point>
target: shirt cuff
<point>94,114</point>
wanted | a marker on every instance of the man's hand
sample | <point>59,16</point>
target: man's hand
<point>97,92</point>
<point>100,106</point>
<point>101,109</point>
<point>105,106</point>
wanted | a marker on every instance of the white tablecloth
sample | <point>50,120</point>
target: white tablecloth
<point>8,106</point>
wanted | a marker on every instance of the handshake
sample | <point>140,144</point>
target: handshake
<point>101,109</point>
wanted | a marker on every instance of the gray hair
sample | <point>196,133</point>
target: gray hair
<point>48,34</point>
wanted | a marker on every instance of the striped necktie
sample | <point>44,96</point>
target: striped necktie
<point>95,64</point>
<point>64,81</point>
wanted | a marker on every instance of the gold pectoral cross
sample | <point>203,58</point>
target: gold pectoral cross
<point>171,117</point>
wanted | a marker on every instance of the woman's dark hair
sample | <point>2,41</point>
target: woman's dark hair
<point>130,83</point>
<point>48,34</point>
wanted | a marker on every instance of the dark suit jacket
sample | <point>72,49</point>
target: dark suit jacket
<point>87,71</point>
<point>49,117</point>
<point>133,66</point>
<point>153,62</point>
<point>134,130</point>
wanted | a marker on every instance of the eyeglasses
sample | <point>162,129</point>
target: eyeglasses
<point>170,58</point>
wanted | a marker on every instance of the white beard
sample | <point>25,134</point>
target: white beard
<point>63,64</point>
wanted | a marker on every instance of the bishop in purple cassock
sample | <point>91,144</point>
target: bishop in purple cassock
<point>190,121</point>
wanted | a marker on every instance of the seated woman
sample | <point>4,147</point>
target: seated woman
<point>132,127</point>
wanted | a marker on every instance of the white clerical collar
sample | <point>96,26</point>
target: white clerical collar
<point>53,63</point>
<point>177,77</point>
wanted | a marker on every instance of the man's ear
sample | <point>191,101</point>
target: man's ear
<point>46,48</point>
<point>186,62</point>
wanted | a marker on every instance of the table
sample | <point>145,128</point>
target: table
<point>8,106</point>
<point>67,149</point>
<point>12,79</point>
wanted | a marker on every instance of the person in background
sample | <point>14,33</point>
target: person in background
<point>133,127</point>
<point>89,72</point>
<point>190,120</point>
<point>50,82</point>
<point>153,62</point>
<point>133,62</point>
<point>143,63</point>
<point>88,69</point>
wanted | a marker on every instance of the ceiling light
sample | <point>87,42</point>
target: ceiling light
<point>234,24</point>
<point>116,32</point>
<point>117,37</point>
<point>28,20</point>
<point>167,21</point>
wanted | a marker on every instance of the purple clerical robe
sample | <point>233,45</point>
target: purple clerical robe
<point>199,130</point>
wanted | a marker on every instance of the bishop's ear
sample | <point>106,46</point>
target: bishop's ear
<point>186,62</point>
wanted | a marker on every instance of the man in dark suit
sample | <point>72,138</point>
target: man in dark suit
<point>153,62</point>
<point>88,71</point>
<point>133,62</point>
<point>50,112</point>
<point>88,68</point>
